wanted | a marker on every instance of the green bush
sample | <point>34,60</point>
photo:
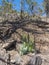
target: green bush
<point>27,45</point>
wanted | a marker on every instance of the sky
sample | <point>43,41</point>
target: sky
<point>39,1</point>
<point>17,4</point>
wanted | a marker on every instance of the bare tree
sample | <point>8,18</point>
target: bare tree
<point>47,7</point>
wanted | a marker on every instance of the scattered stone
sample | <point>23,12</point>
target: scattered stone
<point>3,57</point>
<point>35,60</point>
<point>16,59</point>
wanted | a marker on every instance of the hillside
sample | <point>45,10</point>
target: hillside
<point>12,28</point>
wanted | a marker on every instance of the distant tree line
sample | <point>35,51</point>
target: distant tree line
<point>30,7</point>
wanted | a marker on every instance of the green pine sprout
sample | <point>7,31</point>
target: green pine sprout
<point>27,46</point>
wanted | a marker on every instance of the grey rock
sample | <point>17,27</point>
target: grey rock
<point>39,59</point>
<point>3,57</point>
<point>36,60</point>
<point>45,59</point>
<point>16,59</point>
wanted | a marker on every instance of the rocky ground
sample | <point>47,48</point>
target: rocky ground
<point>11,31</point>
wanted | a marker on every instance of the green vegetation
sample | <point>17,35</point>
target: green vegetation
<point>27,45</point>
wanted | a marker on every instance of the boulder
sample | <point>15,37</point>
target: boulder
<point>36,60</point>
<point>39,59</point>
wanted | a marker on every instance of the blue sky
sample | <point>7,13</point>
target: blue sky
<point>39,1</point>
<point>17,3</point>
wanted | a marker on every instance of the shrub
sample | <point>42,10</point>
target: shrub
<point>27,45</point>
